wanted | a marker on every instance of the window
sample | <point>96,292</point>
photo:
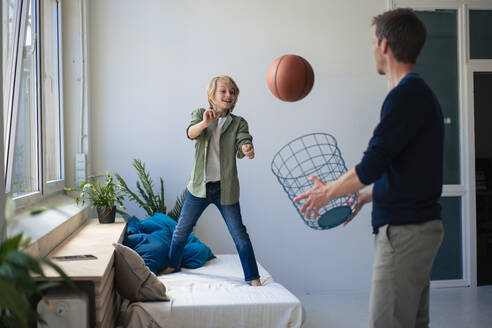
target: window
<point>52,91</point>
<point>480,34</point>
<point>448,264</point>
<point>438,65</point>
<point>33,117</point>
<point>455,62</point>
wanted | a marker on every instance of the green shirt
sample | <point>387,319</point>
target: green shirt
<point>233,135</point>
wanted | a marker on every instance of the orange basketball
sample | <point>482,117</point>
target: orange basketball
<point>290,78</point>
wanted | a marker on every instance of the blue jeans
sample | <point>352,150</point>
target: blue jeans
<point>193,207</point>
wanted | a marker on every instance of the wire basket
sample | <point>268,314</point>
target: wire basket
<point>314,154</point>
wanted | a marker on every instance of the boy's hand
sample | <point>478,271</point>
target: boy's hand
<point>248,150</point>
<point>209,116</point>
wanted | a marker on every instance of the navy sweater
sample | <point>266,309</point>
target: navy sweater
<point>405,156</point>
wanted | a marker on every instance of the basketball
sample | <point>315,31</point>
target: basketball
<point>290,78</point>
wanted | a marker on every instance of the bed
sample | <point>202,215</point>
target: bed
<point>215,295</point>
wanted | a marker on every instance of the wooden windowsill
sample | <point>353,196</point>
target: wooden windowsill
<point>57,217</point>
<point>91,238</point>
<point>98,275</point>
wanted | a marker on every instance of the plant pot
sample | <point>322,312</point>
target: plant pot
<point>107,216</point>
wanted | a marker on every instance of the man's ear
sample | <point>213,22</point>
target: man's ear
<point>384,45</point>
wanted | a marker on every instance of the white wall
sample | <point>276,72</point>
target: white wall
<point>72,84</point>
<point>150,64</point>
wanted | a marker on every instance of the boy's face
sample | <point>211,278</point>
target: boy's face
<point>224,97</point>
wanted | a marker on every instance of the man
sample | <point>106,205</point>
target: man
<point>404,161</point>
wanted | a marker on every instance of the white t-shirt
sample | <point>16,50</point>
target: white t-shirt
<point>213,156</point>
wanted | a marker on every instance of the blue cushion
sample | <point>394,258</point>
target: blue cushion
<point>151,239</point>
<point>196,253</point>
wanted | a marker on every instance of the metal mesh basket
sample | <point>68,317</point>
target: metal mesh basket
<point>314,154</point>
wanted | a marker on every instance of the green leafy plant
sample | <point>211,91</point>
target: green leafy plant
<point>102,196</point>
<point>176,211</point>
<point>148,200</point>
<point>18,286</point>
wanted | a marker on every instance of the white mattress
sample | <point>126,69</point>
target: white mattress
<point>216,295</point>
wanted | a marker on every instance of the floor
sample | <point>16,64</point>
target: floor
<point>450,307</point>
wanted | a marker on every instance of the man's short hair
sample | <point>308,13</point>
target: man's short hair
<point>405,32</point>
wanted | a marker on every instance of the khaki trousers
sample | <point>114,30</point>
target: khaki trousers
<point>401,274</point>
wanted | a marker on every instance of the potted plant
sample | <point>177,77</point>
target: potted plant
<point>17,285</point>
<point>149,200</point>
<point>104,197</point>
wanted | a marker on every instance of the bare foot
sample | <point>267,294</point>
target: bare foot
<point>168,270</point>
<point>255,282</point>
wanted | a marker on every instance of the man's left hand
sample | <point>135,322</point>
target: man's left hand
<point>316,198</point>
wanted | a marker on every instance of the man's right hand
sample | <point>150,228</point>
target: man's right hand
<point>209,116</point>
<point>364,197</point>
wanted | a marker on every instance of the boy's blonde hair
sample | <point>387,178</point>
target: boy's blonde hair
<point>212,87</point>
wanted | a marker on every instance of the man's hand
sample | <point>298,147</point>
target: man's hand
<point>209,116</point>
<point>322,193</point>
<point>248,150</point>
<point>316,198</point>
<point>364,197</point>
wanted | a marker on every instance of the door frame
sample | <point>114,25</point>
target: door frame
<point>466,189</point>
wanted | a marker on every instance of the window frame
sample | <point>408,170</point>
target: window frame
<point>14,66</point>
<point>54,186</point>
<point>45,188</point>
